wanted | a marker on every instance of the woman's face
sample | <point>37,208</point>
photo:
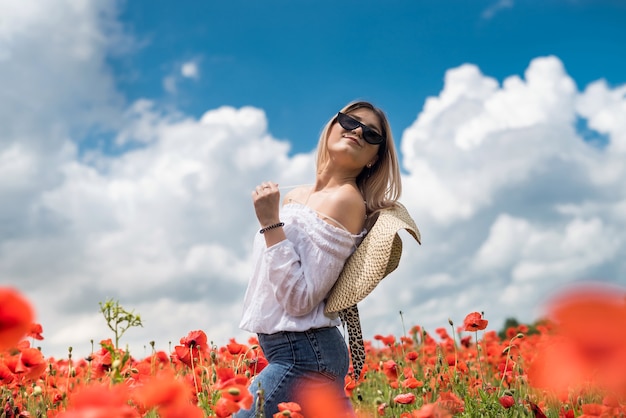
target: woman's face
<point>348,146</point>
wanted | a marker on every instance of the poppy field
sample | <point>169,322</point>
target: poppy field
<point>571,364</point>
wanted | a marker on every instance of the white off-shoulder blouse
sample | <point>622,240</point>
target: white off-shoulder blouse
<point>292,278</point>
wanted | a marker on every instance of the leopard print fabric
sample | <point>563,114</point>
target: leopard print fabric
<point>350,317</point>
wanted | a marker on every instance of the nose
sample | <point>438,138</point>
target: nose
<point>358,130</point>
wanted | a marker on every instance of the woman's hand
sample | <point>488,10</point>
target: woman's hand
<point>266,199</point>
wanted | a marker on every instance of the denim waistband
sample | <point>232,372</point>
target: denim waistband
<point>308,331</point>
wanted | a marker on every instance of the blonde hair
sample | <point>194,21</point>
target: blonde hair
<point>381,184</point>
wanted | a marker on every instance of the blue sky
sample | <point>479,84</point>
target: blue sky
<point>300,60</point>
<point>132,134</point>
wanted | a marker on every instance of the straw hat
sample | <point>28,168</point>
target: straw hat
<point>376,257</point>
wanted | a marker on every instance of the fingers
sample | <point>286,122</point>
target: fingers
<point>265,188</point>
<point>266,200</point>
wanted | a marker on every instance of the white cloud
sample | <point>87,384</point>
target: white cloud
<point>190,70</point>
<point>563,253</point>
<point>511,202</point>
<point>605,109</point>
<point>532,252</point>
<point>496,7</point>
<point>504,245</point>
<point>477,139</point>
<point>187,70</point>
<point>516,202</point>
<point>53,62</point>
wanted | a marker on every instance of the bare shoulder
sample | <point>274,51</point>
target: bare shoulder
<point>346,206</point>
<point>296,195</point>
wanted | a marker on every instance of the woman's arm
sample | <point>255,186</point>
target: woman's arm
<point>302,273</point>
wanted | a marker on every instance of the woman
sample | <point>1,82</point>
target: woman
<point>301,249</point>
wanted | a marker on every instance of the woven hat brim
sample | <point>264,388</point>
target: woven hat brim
<point>376,257</point>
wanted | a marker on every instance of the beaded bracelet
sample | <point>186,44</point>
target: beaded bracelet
<point>267,228</point>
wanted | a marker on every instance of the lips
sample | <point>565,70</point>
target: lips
<point>353,139</point>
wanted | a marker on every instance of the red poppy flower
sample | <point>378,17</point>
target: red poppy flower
<point>31,363</point>
<point>100,401</point>
<point>405,398</point>
<point>412,383</point>
<point>35,331</point>
<point>466,341</point>
<point>506,401</point>
<point>162,391</point>
<point>537,411</point>
<point>226,376</point>
<point>431,410</point>
<point>6,375</point>
<point>288,409</point>
<point>234,347</point>
<point>320,400</point>
<point>593,410</point>
<point>183,354</point>
<point>16,317</point>
<point>407,341</point>
<point>474,322</point>
<point>387,340</point>
<point>289,406</point>
<point>256,363</point>
<point>451,403</point>
<point>101,361</point>
<point>612,405</point>
<point>390,368</point>
<point>443,333</point>
<point>194,347</point>
<point>238,394</point>
<point>195,339</point>
<point>225,407</point>
<point>181,411</point>
<point>589,342</point>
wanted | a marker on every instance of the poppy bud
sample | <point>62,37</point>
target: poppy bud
<point>506,401</point>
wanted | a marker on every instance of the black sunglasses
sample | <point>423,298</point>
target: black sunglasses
<point>369,135</point>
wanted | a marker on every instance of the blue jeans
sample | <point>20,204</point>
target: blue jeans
<point>298,363</point>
